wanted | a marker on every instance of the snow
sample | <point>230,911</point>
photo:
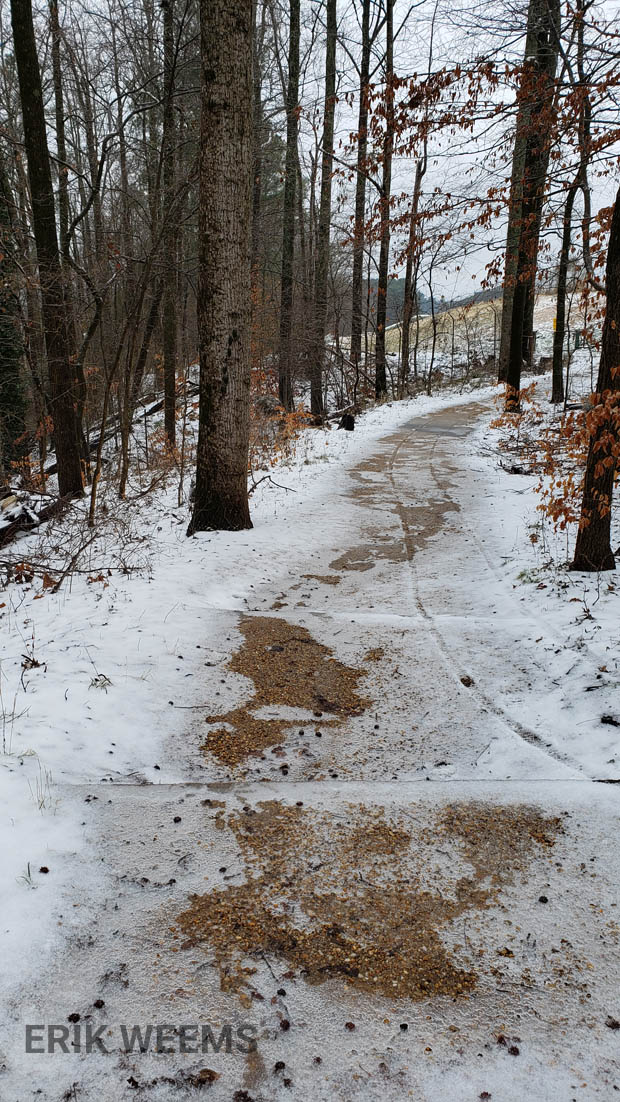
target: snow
<point>104,700</point>
<point>567,623</point>
<point>104,682</point>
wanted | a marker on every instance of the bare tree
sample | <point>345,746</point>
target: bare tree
<point>288,211</point>
<point>384,204</point>
<point>224,299</point>
<point>64,393</point>
<point>357,280</point>
<point>172,227</point>
<point>529,174</point>
<point>323,230</point>
<point>593,546</point>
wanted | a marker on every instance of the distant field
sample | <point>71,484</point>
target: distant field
<point>469,332</point>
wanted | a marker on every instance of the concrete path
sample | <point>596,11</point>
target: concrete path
<point>378,882</point>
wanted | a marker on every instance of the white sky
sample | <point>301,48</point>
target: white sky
<point>462,165</point>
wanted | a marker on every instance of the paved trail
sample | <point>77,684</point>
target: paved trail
<point>375,867</point>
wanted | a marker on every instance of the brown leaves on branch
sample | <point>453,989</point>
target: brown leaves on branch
<point>557,451</point>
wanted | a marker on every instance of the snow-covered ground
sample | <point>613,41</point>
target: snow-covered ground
<point>96,678</point>
<point>567,623</point>
<point>105,682</point>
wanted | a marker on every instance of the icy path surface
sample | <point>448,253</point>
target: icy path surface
<point>377,841</point>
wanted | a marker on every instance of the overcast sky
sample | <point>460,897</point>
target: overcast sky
<point>461,164</point>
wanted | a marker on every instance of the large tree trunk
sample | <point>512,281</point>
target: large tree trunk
<point>63,221</point>
<point>224,298</point>
<point>527,188</point>
<point>64,391</point>
<point>285,378</point>
<point>171,230</point>
<point>357,279</point>
<point>325,206</point>
<point>384,205</point>
<point>593,547</point>
<point>537,164</point>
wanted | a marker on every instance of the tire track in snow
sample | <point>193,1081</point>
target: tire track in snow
<point>446,650</point>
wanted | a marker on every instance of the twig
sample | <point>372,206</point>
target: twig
<point>73,561</point>
<point>268,478</point>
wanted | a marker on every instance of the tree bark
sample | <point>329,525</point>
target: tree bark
<point>257,151</point>
<point>384,205</point>
<point>410,291</point>
<point>12,390</point>
<point>322,260</point>
<point>557,386</point>
<point>224,298</point>
<point>63,221</point>
<point>529,173</point>
<point>357,279</point>
<point>34,340</point>
<point>169,311</point>
<point>593,545</point>
<point>64,391</point>
<point>285,372</point>
<point>61,144</point>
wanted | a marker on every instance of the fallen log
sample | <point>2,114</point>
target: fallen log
<point>23,519</point>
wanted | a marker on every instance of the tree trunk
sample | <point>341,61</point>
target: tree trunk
<point>285,374</point>
<point>557,386</point>
<point>527,340</point>
<point>64,392</point>
<point>593,546</point>
<point>61,144</point>
<point>357,280</point>
<point>535,177</point>
<point>132,387</point>
<point>384,205</point>
<point>410,292</point>
<point>224,298</point>
<point>12,390</point>
<point>149,329</point>
<point>34,341</point>
<point>322,260</point>
<point>529,173</point>
<point>169,311</point>
<point>63,221</point>
<point>429,378</point>
<point>257,148</point>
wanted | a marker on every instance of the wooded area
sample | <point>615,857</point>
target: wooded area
<point>165,203</point>
<point>309,650</point>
